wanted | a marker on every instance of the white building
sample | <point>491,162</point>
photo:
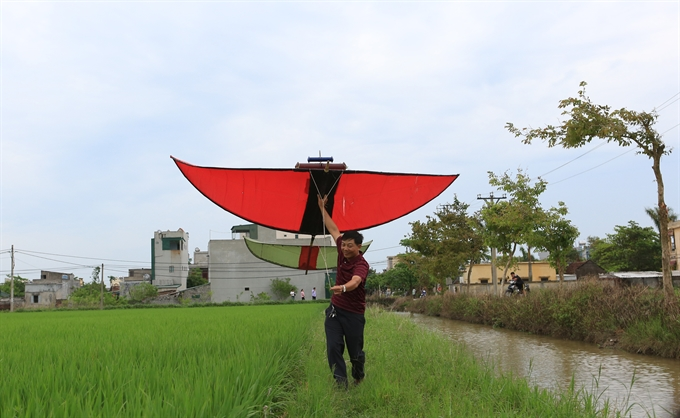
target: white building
<point>235,274</point>
<point>50,290</point>
<point>170,259</point>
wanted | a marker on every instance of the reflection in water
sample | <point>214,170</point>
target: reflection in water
<point>551,363</point>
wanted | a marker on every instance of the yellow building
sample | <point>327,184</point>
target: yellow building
<point>541,272</point>
<point>674,236</point>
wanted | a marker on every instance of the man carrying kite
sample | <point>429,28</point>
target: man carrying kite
<point>345,317</point>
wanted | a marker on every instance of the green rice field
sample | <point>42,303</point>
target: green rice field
<point>263,360</point>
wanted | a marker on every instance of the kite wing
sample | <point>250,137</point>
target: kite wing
<point>285,199</point>
<point>302,257</point>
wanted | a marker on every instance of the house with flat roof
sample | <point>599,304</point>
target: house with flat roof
<point>52,289</point>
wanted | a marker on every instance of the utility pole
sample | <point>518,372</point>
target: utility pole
<point>11,283</point>
<point>101,299</point>
<point>490,201</point>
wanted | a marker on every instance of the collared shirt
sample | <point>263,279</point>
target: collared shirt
<point>355,300</point>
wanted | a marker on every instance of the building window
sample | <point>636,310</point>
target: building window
<point>672,242</point>
<point>172,244</point>
<point>36,298</point>
<point>247,289</point>
<point>171,269</point>
<point>484,281</point>
<point>545,279</point>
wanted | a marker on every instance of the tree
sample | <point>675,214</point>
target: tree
<point>511,223</point>
<point>447,241</point>
<point>586,121</point>
<point>281,288</point>
<point>95,274</point>
<point>629,248</point>
<point>142,292</point>
<point>374,281</point>
<point>90,295</point>
<point>400,278</point>
<point>195,278</point>
<point>653,213</point>
<point>19,286</point>
<point>557,236</point>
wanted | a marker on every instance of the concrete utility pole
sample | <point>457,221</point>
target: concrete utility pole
<point>11,283</point>
<point>490,201</point>
<point>101,299</point>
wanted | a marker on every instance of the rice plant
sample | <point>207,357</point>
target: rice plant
<point>226,362</point>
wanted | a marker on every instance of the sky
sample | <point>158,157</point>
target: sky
<point>96,96</point>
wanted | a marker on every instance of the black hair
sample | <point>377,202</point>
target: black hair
<point>354,235</point>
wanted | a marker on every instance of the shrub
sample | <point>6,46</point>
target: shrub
<point>281,288</point>
<point>142,292</point>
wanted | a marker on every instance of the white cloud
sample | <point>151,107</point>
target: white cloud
<point>96,96</point>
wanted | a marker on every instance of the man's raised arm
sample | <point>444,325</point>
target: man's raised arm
<point>328,221</point>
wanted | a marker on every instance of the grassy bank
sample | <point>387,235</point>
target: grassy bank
<point>247,361</point>
<point>632,318</point>
<point>411,372</point>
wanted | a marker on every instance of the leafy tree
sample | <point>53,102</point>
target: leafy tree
<point>142,292</point>
<point>89,294</point>
<point>630,248</point>
<point>512,223</point>
<point>374,281</point>
<point>585,121</point>
<point>557,236</point>
<point>653,213</point>
<point>573,255</point>
<point>525,255</point>
<point>95,274</point>
<point>400,278</point>
<point>19,286</point>
<point>477,245</point>
<point>281,288</point>
<point>195,278</point>
<point>416,263</point>
<point>446,241</point>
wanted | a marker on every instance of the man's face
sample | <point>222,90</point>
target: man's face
<point>350,249</point>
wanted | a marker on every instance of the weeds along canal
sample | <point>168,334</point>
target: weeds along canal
<point>638,385</point>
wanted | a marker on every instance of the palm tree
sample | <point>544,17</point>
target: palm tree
<point>654,215</point>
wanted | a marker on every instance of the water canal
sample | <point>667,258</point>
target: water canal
<point>642,385</point>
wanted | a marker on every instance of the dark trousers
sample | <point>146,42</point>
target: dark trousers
<point>345,328</point>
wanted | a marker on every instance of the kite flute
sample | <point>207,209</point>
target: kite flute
<point>345,319</point>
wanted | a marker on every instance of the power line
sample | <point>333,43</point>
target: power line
<point>570,161</point>
<point>599,165</point>
<point>676,94</point>
<point>58,261</point>
<point>76,256</point>
<point>669,129</point>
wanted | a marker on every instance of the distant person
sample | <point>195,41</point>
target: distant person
<point>314,293</point>
<point>423,293</point>
<point>302,294</point>
<point>518,282</point>
<point>413,293</point>
<point>292,294</point>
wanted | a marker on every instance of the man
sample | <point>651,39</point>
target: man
<point>518,282</point>
<point>314,293</point>
<point>345,317</point>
